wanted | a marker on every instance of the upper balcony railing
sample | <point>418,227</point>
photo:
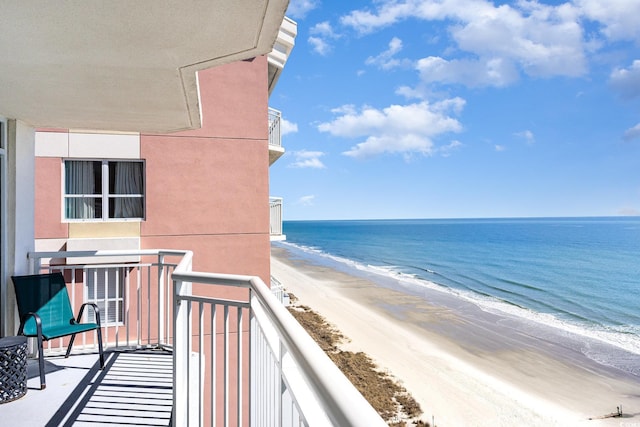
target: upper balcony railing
<point>275,136</point>
<point>275,219</point>
<point>239,357</point>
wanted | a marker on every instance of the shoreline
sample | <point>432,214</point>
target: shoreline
<point>464,366</point>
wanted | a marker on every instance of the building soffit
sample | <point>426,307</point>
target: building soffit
<point>123,65</point>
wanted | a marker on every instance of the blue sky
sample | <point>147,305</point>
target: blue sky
<point>460,109</point>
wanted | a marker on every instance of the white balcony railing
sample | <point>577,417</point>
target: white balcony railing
<point>275,218</point>
<point>277,289</point>
<point>276,150</point>
<point>239,357</point>
<point>275,136</point>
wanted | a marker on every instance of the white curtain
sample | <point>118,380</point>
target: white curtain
<point>128,180</point>
<point>79,177</point>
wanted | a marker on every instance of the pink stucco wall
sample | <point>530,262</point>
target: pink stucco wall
<point>208,190</point>
<point>48,212</point>
<point>234,100</point>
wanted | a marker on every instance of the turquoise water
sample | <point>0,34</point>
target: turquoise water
<point>578,275</point>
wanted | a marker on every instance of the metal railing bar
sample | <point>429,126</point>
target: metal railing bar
<point>226,366</point>
<point>239,366</point>
<point>149,307</point>
<point>213,364</point>
<point>200,361</point>
<point>231,303</point>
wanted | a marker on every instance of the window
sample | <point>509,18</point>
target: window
<point>105,288</point>
<point>103,190</point>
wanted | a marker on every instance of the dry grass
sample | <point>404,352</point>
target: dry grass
<point>394,404</point>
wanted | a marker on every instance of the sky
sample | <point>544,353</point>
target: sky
<point>460,109</point>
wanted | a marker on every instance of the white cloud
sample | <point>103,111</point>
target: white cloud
<point>632,133</point>
<point>319,45</point>
<point>386,60</point>
<point>496,43</point>
<point>321,35</point>
<point>403,129</point>
<point>527,135</point>
<point>287,127</point>
<point>306,200</point>
<point>388,13</point>
<point>308,159</point>
<point>619,18</point>
<point>488,72</point>
<point>323,29</point>
<point>626,81</point>
<point>499,147</point>
<point>421,91</point>
<point>446,150</point>
<point>345,109</point>
<point>298,9</point>
<point>543,40</point>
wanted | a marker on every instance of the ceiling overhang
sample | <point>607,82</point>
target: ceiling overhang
<point>123,65</point>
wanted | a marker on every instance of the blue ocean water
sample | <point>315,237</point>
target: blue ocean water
<point>580,275</point>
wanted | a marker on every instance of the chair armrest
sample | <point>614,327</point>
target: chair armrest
<point>24,321</point>
<point>96,310</point>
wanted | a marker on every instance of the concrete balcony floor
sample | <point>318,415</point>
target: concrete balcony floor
<point>135,388</point>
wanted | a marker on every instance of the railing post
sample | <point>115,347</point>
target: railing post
<point>281,385</point>
<point>161,302</point>
<point>34,264</point>
<point>181,353</point>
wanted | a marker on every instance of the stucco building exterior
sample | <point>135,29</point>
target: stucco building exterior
<point>144,128</point>
<point>206,189</point>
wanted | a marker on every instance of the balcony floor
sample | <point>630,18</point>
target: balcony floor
<point>135,388</point>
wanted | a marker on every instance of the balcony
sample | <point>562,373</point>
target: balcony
<point>186,348</point>
<point>281,51</point>
<point>276,150</point>
<point>275,219</point>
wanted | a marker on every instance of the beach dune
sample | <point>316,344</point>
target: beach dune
<point>465,367</point>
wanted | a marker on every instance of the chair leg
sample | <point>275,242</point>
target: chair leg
<point>43,383</point>
<point>100,348</point>
<point>73,337</point>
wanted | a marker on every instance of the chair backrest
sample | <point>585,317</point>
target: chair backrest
<point>46,295</point>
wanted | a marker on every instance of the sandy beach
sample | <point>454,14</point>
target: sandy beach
<point>464,366</point>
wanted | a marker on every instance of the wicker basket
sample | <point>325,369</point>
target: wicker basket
<point>13,368</point>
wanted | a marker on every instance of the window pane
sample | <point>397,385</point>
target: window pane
<point>126,178</point>
<point>105,287</point>
<point>83,208</point>
<point>126,207</point>
<point>83,178</point>
<point>115,312</point>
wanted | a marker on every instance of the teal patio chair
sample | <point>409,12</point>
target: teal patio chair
<point>46,313</point>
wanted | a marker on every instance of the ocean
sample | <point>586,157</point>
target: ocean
<point>578,277</point>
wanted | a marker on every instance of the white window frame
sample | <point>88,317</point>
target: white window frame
<point>105,196</point>
<point>106,277</point>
